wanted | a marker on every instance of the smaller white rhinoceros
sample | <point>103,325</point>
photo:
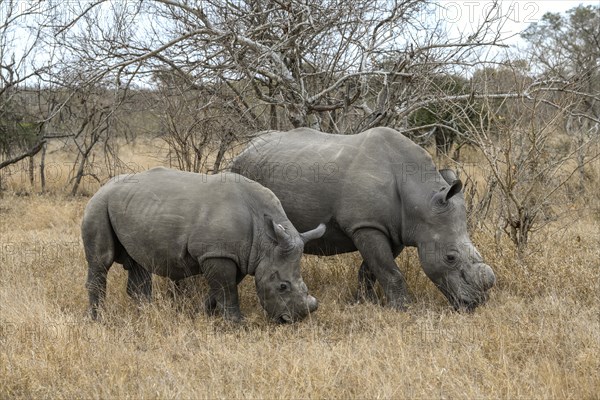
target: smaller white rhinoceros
<point>178,224</point>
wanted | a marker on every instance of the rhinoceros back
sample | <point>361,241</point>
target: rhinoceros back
<point>168,220</point>
<point>351,181</point>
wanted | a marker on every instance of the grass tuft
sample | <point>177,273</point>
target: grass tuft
<point>537,337</point>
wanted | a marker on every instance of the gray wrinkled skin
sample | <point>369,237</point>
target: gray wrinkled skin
<point>378,192</point>
<point>178,224</point>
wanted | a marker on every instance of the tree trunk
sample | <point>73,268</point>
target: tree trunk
<point>43,169</point>
<point>84,156</point>
<point>31,172</point>
<point>223,146</point>
<point>581,163</point>
<point>79,175</point>
<point>273,121</point>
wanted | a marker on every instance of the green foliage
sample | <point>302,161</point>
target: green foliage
<point>451,116</point>
<point>567,49</point>
<point>569,42</point>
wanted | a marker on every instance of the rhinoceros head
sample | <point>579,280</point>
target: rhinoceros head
<point>280,287</point>
<point>447,254</point>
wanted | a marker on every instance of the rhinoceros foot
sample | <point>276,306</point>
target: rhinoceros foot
<point>230,313</point>
<point>401,301</point>
<point>363,295</point>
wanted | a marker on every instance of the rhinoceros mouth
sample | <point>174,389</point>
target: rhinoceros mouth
<point>471,304</point>
<point>461,304</point>
<point>284,319</point>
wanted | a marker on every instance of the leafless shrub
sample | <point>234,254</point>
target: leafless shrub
<point>199,122</point>
<point>528,174</point>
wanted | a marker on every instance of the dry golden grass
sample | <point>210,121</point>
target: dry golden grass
<point>537,337</point>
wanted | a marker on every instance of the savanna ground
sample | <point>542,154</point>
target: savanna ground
<point>537,337</point>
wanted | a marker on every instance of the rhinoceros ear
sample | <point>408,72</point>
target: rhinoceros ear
<point>455,188</point>
<point>313,234</point>
<point>276,232</point>
<point>449,175</point>
<point>446,194</point>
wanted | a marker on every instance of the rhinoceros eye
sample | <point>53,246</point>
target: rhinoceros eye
<point>451,258</point>
<point>283,286</point>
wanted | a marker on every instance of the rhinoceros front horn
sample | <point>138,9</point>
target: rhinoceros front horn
<point>487,277</point>
<point>313,234</point>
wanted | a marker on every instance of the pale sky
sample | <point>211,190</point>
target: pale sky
<point>463,14</point>
<point>460,16</point>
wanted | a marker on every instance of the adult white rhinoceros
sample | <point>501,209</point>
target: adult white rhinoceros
<point>379,192</point>
<point>178,224</point>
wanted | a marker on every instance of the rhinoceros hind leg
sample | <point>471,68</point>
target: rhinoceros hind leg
<point>100,250</point>
<point>366,285</point>
<point>222,276</point>
<point>210,304</point>
<point>139,281</point>
<point>96,286</point>
<point>375,249</point>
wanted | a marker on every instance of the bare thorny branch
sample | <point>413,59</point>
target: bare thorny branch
<point>307,60</point>
<point>336,66</point>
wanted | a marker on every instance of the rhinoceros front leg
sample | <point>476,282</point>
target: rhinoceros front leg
<point>366,284</point>
<point>367,279</point>
<point>377,253</point>
<point>222,276</point>
<point>139,281</point>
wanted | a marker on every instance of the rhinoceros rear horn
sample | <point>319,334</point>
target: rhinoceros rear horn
<point>276,232</point>
<point>313,234</point>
